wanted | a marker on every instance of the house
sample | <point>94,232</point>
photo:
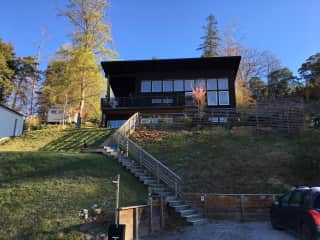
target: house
<point>56,114</point>
<point>165,86</point>
<point>11,122</point>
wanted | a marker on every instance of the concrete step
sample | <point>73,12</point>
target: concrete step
<point>182,207</point>
<point>171,198</point>
<point>162,194</point>
<point>173,203</point>
<point>197,221</point>
<point>187,212</point>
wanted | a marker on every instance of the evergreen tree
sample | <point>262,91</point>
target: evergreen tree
<point>24,75</point>
<point>257,88</point>
<point>279,81</point>
<point>7,57</point>
<point>209,47</point>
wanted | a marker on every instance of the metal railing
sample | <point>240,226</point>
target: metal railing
<point>161,172</point>
<point>143,101</point>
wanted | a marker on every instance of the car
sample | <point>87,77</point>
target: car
<point>299,211</point>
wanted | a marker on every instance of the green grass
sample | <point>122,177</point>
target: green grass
<point>58,140</point>
<point>42,191</point>
<point>240,162</point>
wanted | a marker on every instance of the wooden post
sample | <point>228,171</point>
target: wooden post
<point>136,223</point>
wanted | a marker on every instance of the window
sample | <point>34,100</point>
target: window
<point>212,84</point>
<point>223,84</point>
<point>178,85</point>
<point>168,86</point>
<point>296,199</point>
<point>306,200</point>
<point>188,85</point>
<point>201,83</point>
<point>223,97</point>
<point>317,202</point>
<point>285,199</point>
<point>53,111</point>
<point>145,86</point>
<point>188,99</point>
<point>156,86</point>
<point>212,98</point>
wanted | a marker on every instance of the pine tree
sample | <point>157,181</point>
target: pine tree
<point>7,57</point>
<point>209,47</point>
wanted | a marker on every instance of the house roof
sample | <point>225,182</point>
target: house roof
<point>11,110</point>
<point>158,65</point>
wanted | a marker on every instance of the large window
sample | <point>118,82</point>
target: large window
<point>212,98</point>
<point>178,85</point>
<point>211,84</point>
<point>201,83</point>
<point>145,86</point>
<point>217,89</point>
<point>168,86</point>
<point>223,97</point>
<point>218,92</point>
<point>188,85</point>
<point>156,86</point>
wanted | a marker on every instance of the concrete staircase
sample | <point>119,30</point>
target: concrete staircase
<point>191,215</point>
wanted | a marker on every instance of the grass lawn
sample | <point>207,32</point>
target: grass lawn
<point>237,161</point>
<point>57,140</point>
<point>42,191</point>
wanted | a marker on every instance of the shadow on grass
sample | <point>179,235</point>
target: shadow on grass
<point>74,139</point>
<point>21,165</point>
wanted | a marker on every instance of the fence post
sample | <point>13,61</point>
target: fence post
<point>242,206</point>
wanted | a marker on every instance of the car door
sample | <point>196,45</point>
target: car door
<point>281,209</point>
<point>294,210</point>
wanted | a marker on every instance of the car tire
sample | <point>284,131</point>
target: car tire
<point>274,223</point>
<point>306,233</point>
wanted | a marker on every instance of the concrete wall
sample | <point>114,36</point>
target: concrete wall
<point>7,123</point>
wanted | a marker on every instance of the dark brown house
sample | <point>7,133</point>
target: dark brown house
<point>165,85</point>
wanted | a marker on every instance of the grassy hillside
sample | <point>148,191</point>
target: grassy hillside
<point>58,140</point>
<point>237,161</point>
<point>42,191</point>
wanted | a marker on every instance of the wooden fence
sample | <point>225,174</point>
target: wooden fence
<point>286,115</point>
<point>239,207</point>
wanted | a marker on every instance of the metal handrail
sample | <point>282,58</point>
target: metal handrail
<point>153,165</point>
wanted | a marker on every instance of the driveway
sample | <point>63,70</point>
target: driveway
<point>225,231</point>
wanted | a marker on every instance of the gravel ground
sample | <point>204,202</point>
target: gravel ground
<point>225,231</point>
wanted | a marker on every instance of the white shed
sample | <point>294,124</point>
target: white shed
<point>11,122</point>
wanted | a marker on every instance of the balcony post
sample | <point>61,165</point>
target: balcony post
<point>108,89</point>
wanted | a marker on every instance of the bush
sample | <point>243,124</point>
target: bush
<point>33,123</point>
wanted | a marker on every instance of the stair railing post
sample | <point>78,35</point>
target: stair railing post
<point>127,148</point>
<point>176,189</point>
<point>158,173</point>
<point>118,146</point>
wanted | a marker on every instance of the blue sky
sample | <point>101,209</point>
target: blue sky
<point>172,28</point>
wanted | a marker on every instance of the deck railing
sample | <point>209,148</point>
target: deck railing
<point>143,101</point>
<point>156,168</point>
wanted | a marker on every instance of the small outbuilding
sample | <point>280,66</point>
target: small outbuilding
<point>11,122</point>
